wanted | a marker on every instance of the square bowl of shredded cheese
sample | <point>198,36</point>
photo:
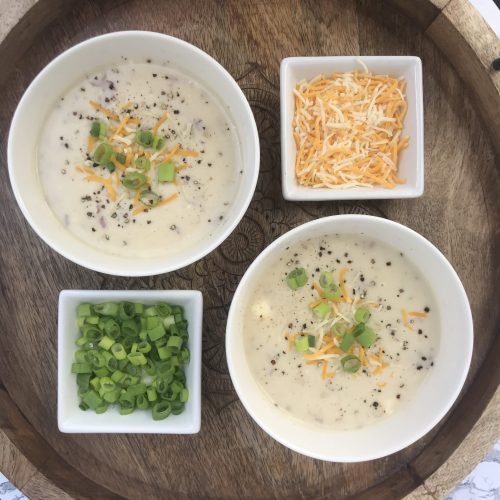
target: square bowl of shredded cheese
<point>351,127</point>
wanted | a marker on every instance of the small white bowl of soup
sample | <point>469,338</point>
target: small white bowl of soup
<point>349,338</point>
<point>133,153</point>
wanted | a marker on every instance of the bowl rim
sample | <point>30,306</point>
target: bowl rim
<point>412,436</point>
<point>302,193</point>
<point>195,298</point>
<point>65,249</point>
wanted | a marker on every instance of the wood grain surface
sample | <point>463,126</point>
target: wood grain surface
<point>232,457</point>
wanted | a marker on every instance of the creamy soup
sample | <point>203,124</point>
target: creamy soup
<point>340,331</point>
<point>122,198</point>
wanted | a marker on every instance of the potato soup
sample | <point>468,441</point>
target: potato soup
<point>340,330</point>
<point>139,160</point>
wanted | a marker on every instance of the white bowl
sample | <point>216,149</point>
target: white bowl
<point>438,390</point>
<point>65,71</point>
<point>411,160</point>
<point>73,420</point>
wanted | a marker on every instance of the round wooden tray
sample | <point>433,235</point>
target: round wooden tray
<point>232,457</point>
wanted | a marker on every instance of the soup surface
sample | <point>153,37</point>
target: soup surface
<point>349,346</point>
<point>154,214</point>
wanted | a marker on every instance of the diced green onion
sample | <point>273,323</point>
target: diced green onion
<point>166,172</point>
<point>111,328</point>
<point>83,380</point>
<point>118,351</point>
<point>358,329</point>
<point>98,129</point>
<point>106,308</point>
<point>362,315</point>
<point>144,138</point>
<point>303,343</point>
<point>126,310</point>
<point>334,293</point>
<point>151,394</point>
<point>121,158</point>
<point>133,180</point>
<point>158,143</point>
<point>350,363</point>
<point>102,372</point>
<point>184,395</point>
<point>111,396</point>
<point>347,341</point>
<point>95,383</point>
<point>103,153</point>
<point>326,280</point>
<point>168,321</point>
<point>157,332</point>
<point>117,376</point>
<point>149,199</point>
<point>94,129</point>
<point>174,343</point>
<point>161,410</point>
<point>142,163</point>
<point>137,359</point>
<point>297,278</point>
<point>81,368</point>
<point>321,310</point>
<point>92,399</point>
<point>84,310</point>
<point>367,338</point>
<point>130,355</point>
<point>142,402</point>
<point>106,343</point>
<point>177,407</point>
<point>144,347</point>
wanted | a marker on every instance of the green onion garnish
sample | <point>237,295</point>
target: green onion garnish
<point>303,343</point>
<point>362,315</point>
<point>103,153</point>
<point>297,278</point>
<point>333,293</point>
<point>347,341</point>
<point>326,280</point>
<point>321,310</point>
<point>166,172</point>
<point>144,138</point>
<point>350,363</point>
<point>358,329</point>
<point>132,356</point>
<point>149,198</point>
<point>121,158</point>
<point>143,163</point>
<point>158,143</point>
<point>367,338</point>
<point>98,129</point>
<point>133,180</point>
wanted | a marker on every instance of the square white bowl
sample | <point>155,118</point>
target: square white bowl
<point>71,419</point>
<point>411,160</point>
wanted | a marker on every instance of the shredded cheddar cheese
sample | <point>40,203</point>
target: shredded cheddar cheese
<point>348,130</point>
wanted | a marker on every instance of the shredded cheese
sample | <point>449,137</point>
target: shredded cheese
<point>347,129</point>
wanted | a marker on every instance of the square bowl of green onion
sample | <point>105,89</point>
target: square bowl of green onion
<point>129,361</point>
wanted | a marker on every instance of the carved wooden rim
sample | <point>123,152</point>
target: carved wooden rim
<point>471,55</point>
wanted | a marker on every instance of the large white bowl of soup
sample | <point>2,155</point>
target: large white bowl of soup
<point>349,338</point>
<point>133,153</point>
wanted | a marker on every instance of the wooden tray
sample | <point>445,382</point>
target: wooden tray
<point>232,457</point>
